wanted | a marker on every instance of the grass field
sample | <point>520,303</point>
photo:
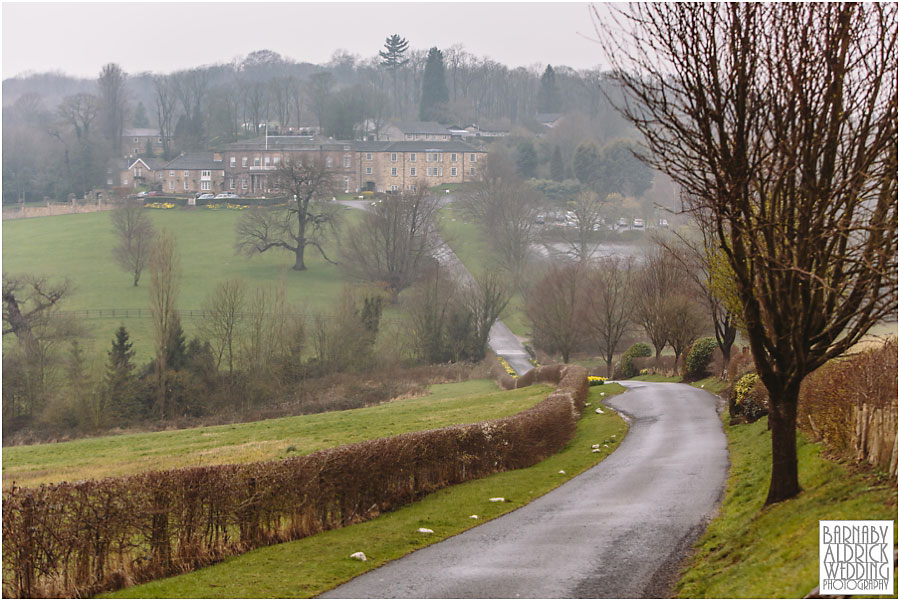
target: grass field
<point>309,566</point>
<point>469,245</point>
<point>752,551</point>
<point>446,404</point>
<point>79,247</point>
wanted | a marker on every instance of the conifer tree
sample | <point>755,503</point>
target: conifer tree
<point>557,170</point>
<point>549,100</point>
<point>120,376</point>
<point>392,59</point>
<point>434,86</point>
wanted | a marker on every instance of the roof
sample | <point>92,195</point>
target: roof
<point>151,163</point>
<point>288,143</point>
<point>194,161</point>
<point>547,117</point>
<point>137,132</point>
<point>421,127</point>
<point>416,146</point>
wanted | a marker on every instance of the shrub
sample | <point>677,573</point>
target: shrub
<point>748,398</point>
<point>627,368</point>
<point>697,359</point>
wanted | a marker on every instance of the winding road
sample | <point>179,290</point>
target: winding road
<point>618,530</point>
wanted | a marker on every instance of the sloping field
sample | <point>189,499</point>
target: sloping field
<point>447,404</point>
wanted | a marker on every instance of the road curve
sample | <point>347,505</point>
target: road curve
<point>618,530</point>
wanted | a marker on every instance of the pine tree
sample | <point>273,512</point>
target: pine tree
<point>549,99</point>
<point>526,159</point>
<point>140,119</point>
<point>392,59</point>
<point>120,375</point>
<point>434,86</point>
<point>557,169</point>
<point>586,163</point>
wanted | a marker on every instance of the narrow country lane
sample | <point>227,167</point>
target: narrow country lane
<point>618,530</point>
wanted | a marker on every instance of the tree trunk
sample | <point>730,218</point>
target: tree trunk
<point>783,423</point>
<point>299,264</point>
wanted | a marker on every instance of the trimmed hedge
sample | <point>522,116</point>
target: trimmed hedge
<point>79,539</point>
<point>696,360</point>
<point>638,349</point>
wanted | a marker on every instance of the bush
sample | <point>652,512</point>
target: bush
<point>748,398</point>
<point>696,361</point>
<point>627,368</point>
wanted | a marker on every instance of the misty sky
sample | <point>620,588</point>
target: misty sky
<point>78,38</point>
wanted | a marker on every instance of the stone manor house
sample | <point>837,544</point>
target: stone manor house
<point>247,168</point>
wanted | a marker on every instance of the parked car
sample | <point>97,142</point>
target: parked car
<point>622,222</point>
<point>155,193</point>
<point>223,195</point>
<point>638,223</point>
<point>206,196</point>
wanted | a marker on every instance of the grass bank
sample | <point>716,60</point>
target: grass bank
<point>772,552</point>
<point>447,404</point>
<point>310,566</point>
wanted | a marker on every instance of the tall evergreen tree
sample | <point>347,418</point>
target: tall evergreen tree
<point>434,87</point>
<point>526,159</point>
<point>392,59</point>
<point>549,99</point>
<point>140,119</point>
<point>586,163</point>
<point>120,375</point>
<point>557,169</point>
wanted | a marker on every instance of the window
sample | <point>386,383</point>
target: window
<point>137,172</point>
<point>171,173</point>
<point>471,170</point>
<point>266,161</point>
<point>329,162</point>
<point>231,183</point>
<point>452,171</point>
<point>434,171</point>
<point>243,161</point>
<point>276,160</point>
<point>346,162</point>
<point>472,157</point>
<point>205,174</point>
<point>171,184</point>
<point>394,157</point>
<point>412,171</point>
<point>244,183</point>
<point>256,161</point>
<point>411,187</point>
<point>433,157</point>
<point>232,162</point>
<point>393,171</point>
<point>204,185</point>
<point>412,157</point>
<point>368,171</point>
<point>368,156</point>
<point>346,148</point>
<point>109,182</point>
<point>187,173</point>
<point>393,188</point>
<point>135,140</point>
<point>137,151</point>
<point>452,157</point>
<point>185,184</point>
<point>159,140</point>
<point>346,185</point>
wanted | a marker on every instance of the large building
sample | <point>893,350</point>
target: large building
<point>249,166</point>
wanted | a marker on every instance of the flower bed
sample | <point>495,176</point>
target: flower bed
<point>596,380</point>
<point>159,205</point>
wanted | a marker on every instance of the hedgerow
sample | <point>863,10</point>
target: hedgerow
<point>79,539</point>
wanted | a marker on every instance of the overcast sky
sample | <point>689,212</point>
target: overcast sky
<point>78,38</point>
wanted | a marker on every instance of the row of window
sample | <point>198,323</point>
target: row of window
<point>429,171</point>
<point>430,157</point>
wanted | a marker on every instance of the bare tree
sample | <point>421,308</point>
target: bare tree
<point>394,243</point>
<point>164,95</point>
<point>223,314</point>
<point>657,280</point>
<point>684,321</point>
<point>485,299</point>
<point>779,122</point>
<point>583,238</point>
<point>608,304</point>
<point>307,220</point>
<point>165,275</point>
<point>113,103</point>
<point>555,308</point>
<point>135,233</point>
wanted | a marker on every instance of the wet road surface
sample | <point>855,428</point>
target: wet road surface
<point>618,530</point>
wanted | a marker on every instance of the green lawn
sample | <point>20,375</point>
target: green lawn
<point>312,565</point>
<point>446,404</point>
<point>772,552</point>
<point>79,247</point>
